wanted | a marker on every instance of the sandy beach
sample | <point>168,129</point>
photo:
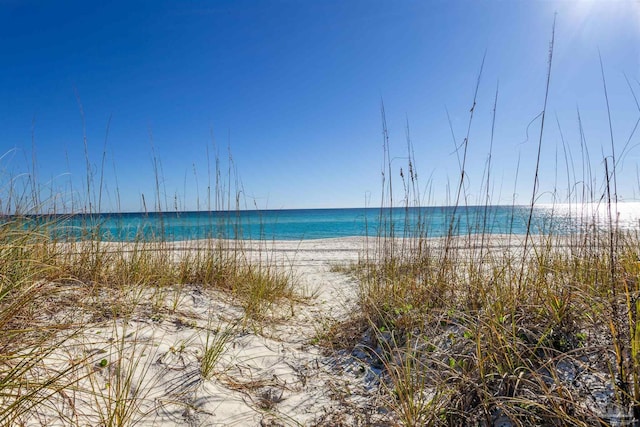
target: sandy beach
<point>268,373</point>
<point>184,354</point>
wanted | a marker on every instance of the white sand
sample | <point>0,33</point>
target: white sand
<point>270,375</point>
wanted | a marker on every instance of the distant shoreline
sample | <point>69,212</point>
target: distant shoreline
<point>313,224</point>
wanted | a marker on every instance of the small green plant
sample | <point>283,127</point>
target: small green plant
<point>213,348</point>
<point>121,388</point>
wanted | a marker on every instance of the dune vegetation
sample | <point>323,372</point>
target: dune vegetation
<point>479,329</point>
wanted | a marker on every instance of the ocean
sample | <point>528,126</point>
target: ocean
<point>305,224</point>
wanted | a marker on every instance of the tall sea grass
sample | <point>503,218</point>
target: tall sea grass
<point>479,329</point>
<point>57,285</point>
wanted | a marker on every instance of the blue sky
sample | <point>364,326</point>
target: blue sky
<point>294,88</point>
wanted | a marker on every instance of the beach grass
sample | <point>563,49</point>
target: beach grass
<point>57,289</point>
<point>469,341</point>
<point>472,329</point>
<point>478,329</point>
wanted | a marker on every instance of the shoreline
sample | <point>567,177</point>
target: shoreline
<point>310,224</point>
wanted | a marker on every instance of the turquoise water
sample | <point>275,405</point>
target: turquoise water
<point>327,223</point>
